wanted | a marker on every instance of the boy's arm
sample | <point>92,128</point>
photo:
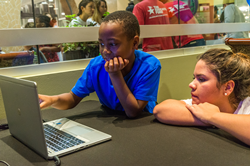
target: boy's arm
<point>175,112</point>
<point>130,104</point>
<point>63,101</point>
<point>237,125</point>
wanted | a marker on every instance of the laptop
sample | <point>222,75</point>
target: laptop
<point>53,138</point>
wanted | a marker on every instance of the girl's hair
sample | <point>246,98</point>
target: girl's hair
<point>226,66</point>
<point>84,4</point>
<point>96,16</point>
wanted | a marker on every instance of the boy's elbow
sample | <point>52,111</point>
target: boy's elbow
<point>132,115</point>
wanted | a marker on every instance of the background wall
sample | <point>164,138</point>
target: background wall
<point>10,14</point>
<point>10,18</point>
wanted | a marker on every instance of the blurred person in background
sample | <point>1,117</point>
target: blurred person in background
<point>186,17</point>
<point>86,9</point>
<point>33,49</point>
<point>232,14</point>
<point>153,12</point>
<point>130,6</point>
<point>100,9</point>
<point>49,50</point>
<point>216,18</point>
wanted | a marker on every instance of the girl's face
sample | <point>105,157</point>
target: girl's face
<point>89,9</point>
<point>204,87</point>
<point>102,8</point>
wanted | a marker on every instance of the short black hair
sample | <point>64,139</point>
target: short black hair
<point>44,19</point>
<point>130,7</point>
<point>30,25</point>
<point>128,21</point>
<point>215,8</point>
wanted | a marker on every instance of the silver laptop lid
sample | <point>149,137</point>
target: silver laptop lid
<point>25,122</point>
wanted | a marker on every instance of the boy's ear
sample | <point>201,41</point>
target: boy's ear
<point>136,42</point>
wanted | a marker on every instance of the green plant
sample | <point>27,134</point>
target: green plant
<point>72,17</point>
<point>86,47</point>
<point>70,46</point>
<point>105,14</point>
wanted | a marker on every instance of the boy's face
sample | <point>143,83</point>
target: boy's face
<point>114,43</point>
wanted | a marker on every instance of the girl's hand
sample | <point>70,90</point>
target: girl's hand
<point>203,111</point>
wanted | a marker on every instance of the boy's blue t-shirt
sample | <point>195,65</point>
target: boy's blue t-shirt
<point>142,80</point>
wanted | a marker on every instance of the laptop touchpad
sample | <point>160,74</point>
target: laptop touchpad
<point>78,130</point>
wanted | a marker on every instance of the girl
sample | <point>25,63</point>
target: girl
<point>220,95</point>
<point>86,10</point>
<point>100,9</point>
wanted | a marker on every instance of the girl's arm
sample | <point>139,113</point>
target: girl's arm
<point>235,124</point>
<point>175,112</point>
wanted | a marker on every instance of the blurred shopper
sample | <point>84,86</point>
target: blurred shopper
<point>86,9</point>
<point>100,9</point>
<point>53,22</point>
<point>232,14</point>
<point>49,50</point>
<point>186,17</point>
<point>153,12</point>
<point>33,49</point>
<point>130,6</point>
<point>222,18</point>
<point>216,18</point>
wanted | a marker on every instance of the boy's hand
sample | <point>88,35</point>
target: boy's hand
<point>116,64</point>
<point>45,101</point>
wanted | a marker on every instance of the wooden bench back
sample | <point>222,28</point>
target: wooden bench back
<point>239,45</point>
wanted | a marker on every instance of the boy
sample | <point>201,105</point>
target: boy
<point>123,77</point>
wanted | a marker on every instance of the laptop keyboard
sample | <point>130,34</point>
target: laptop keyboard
<point>58,140</point>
